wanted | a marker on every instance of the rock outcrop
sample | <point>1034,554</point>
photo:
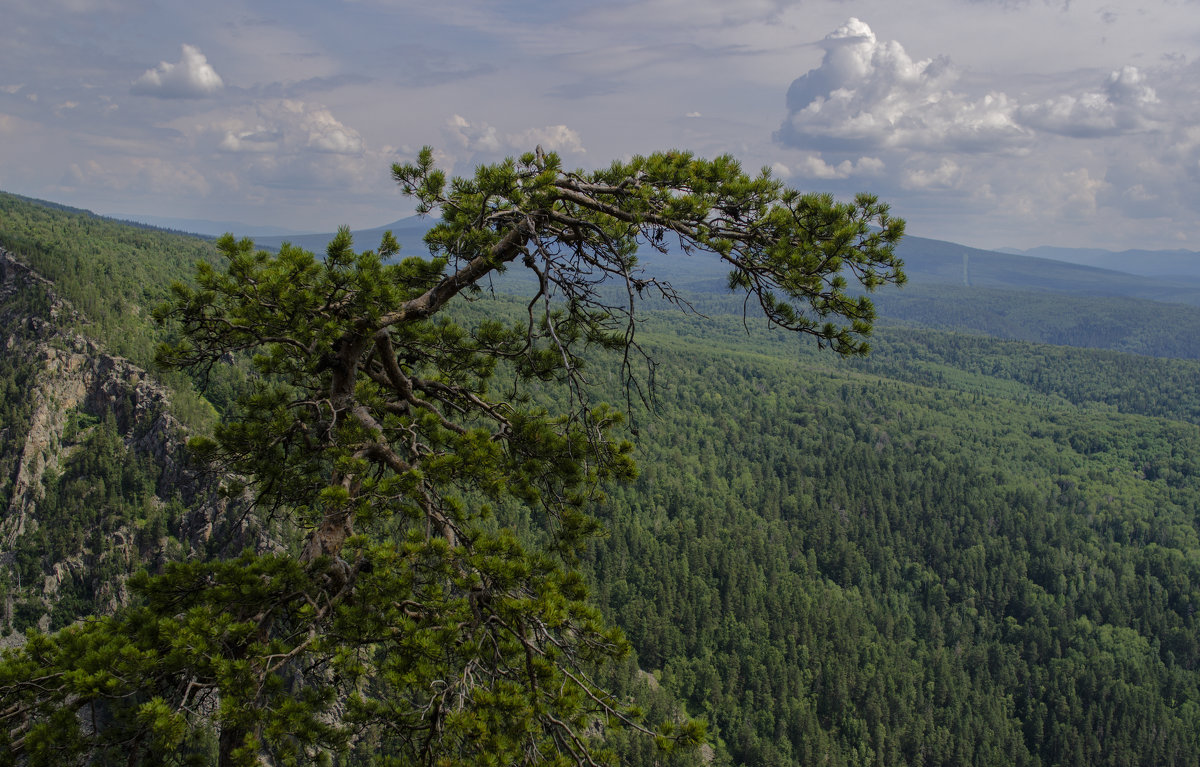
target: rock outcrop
<point>72,375</point>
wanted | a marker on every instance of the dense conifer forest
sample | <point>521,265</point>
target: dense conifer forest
<point>839,566</point>
<point>958,550</point>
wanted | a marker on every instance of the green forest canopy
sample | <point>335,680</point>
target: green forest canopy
<point>957,550</point>
<point>375,429</point>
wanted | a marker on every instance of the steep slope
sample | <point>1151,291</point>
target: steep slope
<point>96,482</point>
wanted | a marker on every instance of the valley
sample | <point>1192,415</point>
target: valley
<point>980,544</point>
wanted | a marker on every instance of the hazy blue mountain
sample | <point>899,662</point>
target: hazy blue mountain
<point>928,262</point>
<point>937,262</point>
<point>931,263</point>
<point>1150,263</point>
<point>408,231</point>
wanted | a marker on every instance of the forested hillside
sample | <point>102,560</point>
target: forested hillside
<point>843,567</point>
<point>1136,325</point>
<point>110,272</point>
<point>94,480</point>
<point>958,550</point>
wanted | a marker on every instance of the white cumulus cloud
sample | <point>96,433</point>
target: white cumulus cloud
<point>274,146</point>
<point>257,139</point>
<point>1078,190</point>
<point>478,137</point>
<point>486,139</point>
<point>327,134</point>
<point>289,126</point>
<point>813,165</point>
<point>869,93</point>
<point>1121,106</point>
<point>192,78</point>
<point>552,138</point>
<point>944,176</point>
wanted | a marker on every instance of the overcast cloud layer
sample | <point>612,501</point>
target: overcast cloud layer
<point>990,122</point>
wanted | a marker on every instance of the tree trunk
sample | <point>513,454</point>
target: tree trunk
<point>328,538</point>
<point>231,738</point>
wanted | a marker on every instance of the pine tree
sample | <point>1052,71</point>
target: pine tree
<point>407,624</point>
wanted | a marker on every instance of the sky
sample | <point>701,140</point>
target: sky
<point>994,123</point>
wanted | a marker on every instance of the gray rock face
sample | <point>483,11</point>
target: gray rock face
<point>73,375</point>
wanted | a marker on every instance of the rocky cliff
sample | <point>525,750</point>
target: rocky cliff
<point>60,388</point>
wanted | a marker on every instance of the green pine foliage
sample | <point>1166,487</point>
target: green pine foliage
<point>374,428</point>
<point>958,550</point>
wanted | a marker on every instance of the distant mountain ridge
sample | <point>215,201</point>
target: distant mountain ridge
<point>927,262</point>
<point>205,227</point>
<point>1149,263</point>
<point>408,232</point>
<point>926,259</point>
<point>1028,296</point>
<point>1171,276</point>
<point>930,261</point>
